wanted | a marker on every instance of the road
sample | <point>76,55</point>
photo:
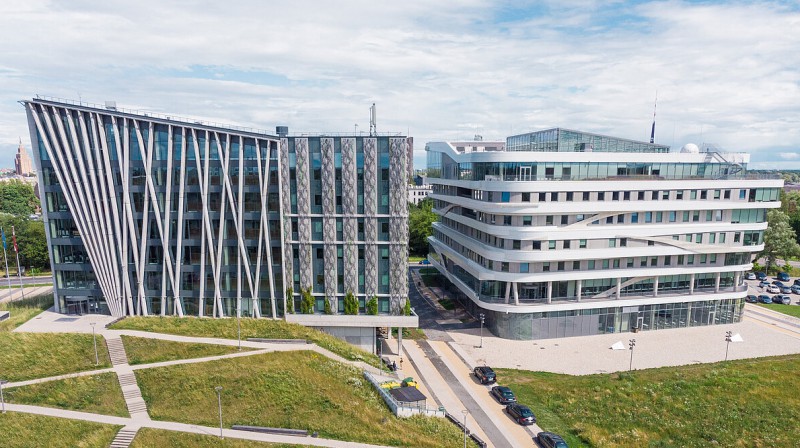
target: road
<point>15,281</point>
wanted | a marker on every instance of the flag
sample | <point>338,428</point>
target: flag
<point>3,234</point>
<point>14,239</point>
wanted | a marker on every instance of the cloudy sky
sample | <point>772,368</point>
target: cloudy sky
<point>726,73</point>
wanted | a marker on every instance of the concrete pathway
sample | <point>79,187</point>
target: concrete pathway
<point>183,427</point>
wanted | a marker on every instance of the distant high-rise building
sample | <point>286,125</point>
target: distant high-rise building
<point>22,163</point>
<point>410,162</point>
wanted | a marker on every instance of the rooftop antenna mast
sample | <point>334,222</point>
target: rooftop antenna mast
<point>653,128</point>
<point>373,118</point>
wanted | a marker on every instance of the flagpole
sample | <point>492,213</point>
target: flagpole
<point>5,257</point>
<point>19,271</point>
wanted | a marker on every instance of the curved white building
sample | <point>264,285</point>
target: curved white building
<point>565,233</point>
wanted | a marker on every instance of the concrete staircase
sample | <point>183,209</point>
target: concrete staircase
<point>124,437</point>
<point>132,394</point>
<point>116,351</point>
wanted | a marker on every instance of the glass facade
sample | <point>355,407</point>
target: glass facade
<point>565,140</point>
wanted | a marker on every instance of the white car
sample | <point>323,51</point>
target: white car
<point>772,289</point>
<point>750,276</point>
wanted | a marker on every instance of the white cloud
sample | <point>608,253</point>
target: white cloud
<point>725,74</point>
<point>789,155</point>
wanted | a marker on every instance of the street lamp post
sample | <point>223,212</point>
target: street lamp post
<point>728,336</point>
<point>631,344</point>
<point>2,400</point>
<point>465,412</point>
<point>482,317</point>
<point>94,337</point>
<point>239,323</point>
<point>219,403</point>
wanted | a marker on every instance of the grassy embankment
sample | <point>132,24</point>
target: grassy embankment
<point>300,389</point>
<point>146,350</point>
<point>149,438</point>
<point>27,430</point>
<point>251,328</point>
<point>98,394</point>
<point>722,404</point>
<point>791,310</point>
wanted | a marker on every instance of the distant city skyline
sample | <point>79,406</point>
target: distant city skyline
<point>724,73</point>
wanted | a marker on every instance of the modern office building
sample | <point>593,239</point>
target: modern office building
<point>566,233</point>
<point>417,194</point>
<point>155,215</point>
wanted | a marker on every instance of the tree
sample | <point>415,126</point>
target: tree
<point>420,220</point>
<point>328,309</point>
<point>780,240</point>
<point>289,301</point>
<point>350,304</point>
<point>306,301</point>
<point>31,241</point>
<point>18,198</point>
<point>407,308</point>
<point>372,306</point>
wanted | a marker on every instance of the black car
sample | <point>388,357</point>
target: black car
<point>751,299</point>
<point>761,275</point>
<point>777,283</point>
<point>485,374</point>
<point>503,394</point>
<point>797,281</point>
<point>764,299</point>
<point>521,414</point>
<point>551,440</point>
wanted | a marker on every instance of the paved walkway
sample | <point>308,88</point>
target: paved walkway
<point>15,293</point>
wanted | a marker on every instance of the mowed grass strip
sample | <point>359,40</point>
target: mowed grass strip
<point>251,328</point>
<point>98,394</point>
<point>25,356</point>
<point>24,310</point>
<point>149,438</point>
<point>147,350</point>
<point>791,310</point>
<point>742,403</point>
<point>300,390</point>
<point>27,430</point>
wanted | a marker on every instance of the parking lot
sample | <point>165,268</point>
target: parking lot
<point>784,290</point>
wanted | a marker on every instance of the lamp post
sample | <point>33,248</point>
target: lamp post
<point>238,322</point>
<point>728,336</point>
<point>94,337</point>
<point>483,317</point>
<point>219,403</point>
<point>2,400</point>
<point>631,344</point>
<point>465,412</point>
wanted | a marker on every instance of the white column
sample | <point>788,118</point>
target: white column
<point>515,290</point>
<point>737,277</point>
<point>549,292</point>
<point>508,291</point>
<point>400,341</point>
<point>691,283</point>
<point>579,289</point>
<point>655,286</point>
<point>716,283</point>
<point>619,288</point>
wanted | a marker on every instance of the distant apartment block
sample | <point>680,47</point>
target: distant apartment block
<point>417,193</point>
<point>565,233</point>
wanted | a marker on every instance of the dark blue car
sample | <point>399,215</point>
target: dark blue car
<point>782,276</point>
<point>761,275</point>
<point>764,299</point>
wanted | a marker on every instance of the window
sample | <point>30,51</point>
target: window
<point>569,196</point>
<point>653,261</point>
<point>693,194</point>
<point>560,265</point>
<point>590,265</point>
<point>546,266</point>
<point>703,259</point>
<point>527,220</point>
<point>506,220</point>
<point>712,238</point>
<point>630,262</point>
<point>582,244</point>
<point>615,196</point>
<point>505,196</point>
<point>551,244</point>
<point>564,219</point>
<point>727,194</point>
<point>696,216</point>
<point>648,217</point>
<point>554,196</point>
<point>620,219</point>
<point>635,218</point>
<point>680,260</point>
<point>667,260</point>
<point>708,215</point>
<point>601,196</point>
<point>576,265</point>
<point>672,217</point>
<point>689,237</point>
<point>679,195</point>
<point>566,244</point>
<point>537,245</point>
<point>610,220</point>
<point>742,194</point>
<point>623,242</point>
<point>640,196</point>
<point>542,197</point>
<point>651,243</point>
<point>654,196</point>
<point>585,195</point>
<point>703,194</point>
<point>612,242</point>
<point>713,258</point>
<point>643,262</point>
<point>548,220</point>
<point>616,263</point>
<point>718,215</point>
<point>526,197</point>
<point>686,216</point>
<point>716,194</point>
<point>626,196</point>
<point>698,238</point>
<point>659,216</point>
<point>665,195</point>
<point>524,267</point>
<point>516,245</point>
<point>722,237</point>
<point>605,264</point>
<point>690,259</point>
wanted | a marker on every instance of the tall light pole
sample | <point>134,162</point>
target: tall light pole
<point>2,400</point>
<point>219,403</point>
<point>239,322</point>
<point>482,316</point>
<point>728,337</point>
<point>94,337</point>
<point>465,412</point>
<point>631,344</point>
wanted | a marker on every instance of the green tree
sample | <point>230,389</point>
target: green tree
<point>420,220</point>
<point>31,241</point>
<point>350,304</point>
<point>306,301</point>
<point>17,198</point>
<point>289,301</point>
<point>780,240</point>
<point>328,309</point>
<point>407,307</point>
<point>372,306</point>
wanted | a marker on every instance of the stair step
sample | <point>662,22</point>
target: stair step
<point>124,438</point>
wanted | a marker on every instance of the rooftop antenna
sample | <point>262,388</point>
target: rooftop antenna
<point>653,129</point>
<point>372,121</point>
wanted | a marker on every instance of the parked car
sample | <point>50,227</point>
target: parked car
<point>750,276</point>
<point>764,284</point>
<point>551,440</point>
<point>761,275</point>
<point>796,289</point>
<point>773,289</point>
<point>764,298</point>
<point>503,394</point>
<point>783,276</point>
<point>797,281</point>
<point>751,299</point>
<point>777,298</point>
<point>424,262</point>
<point>777,283</point>
<point>521,414</point>
<point>786,289</point>
<point>485,374</point>
<point>786,300</point>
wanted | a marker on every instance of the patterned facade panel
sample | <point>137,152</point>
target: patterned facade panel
<point>350,273</point>
<point>349,177</point>
<point>303,211</point>
<point>286,209</point>
<point>370,269</point>
<point>398,223</point>
<point>328,220</point>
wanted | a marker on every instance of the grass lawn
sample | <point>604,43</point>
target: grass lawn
<point>24,310</point>
<point>415,258</point>
<point>251,328</point>
<point>149,437</point>
<point>731,404</point>
<point>299,389</point>
<point>447,304</point>
<point>98,394</point>
<point>147,350</point>
<point>28,430</point>
<point>24,356</point>
<point>791,310</point>
<point>410,333</point>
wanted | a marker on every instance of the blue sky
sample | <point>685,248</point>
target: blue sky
<point>726,73</point>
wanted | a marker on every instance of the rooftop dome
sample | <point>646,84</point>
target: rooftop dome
<point>690,148</point>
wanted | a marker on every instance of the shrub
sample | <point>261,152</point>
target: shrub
<point>328,309</point>
<point>372,306</point>
<point>350,304</point>
<point>306,301</point>
<point>289,301</point>
<point>407,308</point>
